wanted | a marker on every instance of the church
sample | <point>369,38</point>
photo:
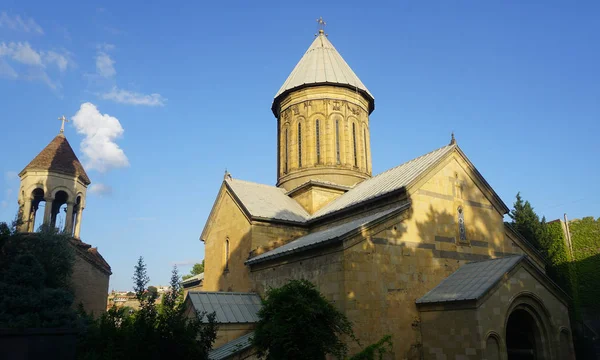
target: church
<point>56,182</point>
<point>419,251</point>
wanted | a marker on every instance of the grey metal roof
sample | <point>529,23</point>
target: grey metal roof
<point>192,279</point>
<point>322,237</point>
<point>229,307</point>
<point>231,348</point>
<point>322,64</point>
<point>386,182</point>
<point>471,281</point>
<point>267,201</point>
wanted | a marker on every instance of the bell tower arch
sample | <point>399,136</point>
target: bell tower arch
<point>55,181</point>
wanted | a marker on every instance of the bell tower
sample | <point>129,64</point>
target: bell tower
<point>322,113</point>
<point>55,178</point>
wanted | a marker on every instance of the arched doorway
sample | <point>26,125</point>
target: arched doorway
<point>523,337</point>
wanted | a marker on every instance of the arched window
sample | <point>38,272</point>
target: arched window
<point>337,141</point>
<point>285,169</point>
<point>365,143</point>
<point>226,254</point>
<point>299,145</point>
<point>354,144</point>
<point>462,232</point>
<point>492,348</point>
<point>318,136</point>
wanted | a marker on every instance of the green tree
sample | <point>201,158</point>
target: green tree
<point>527,222</point>
<point>297,322</point>
<point>35,273</point>
<point>152,332</point>
<point>197,269</point>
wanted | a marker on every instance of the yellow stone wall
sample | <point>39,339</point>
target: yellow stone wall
<point>463,332</point>
<point>380,274</point>
<point>327,104</point>
<point>314,197</point>
<point>90,286</point>
<point>230,225</point>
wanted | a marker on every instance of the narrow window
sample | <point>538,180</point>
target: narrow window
<point>462,232</point>
<point>299,145</point>
<point>354,143</point>
<point>226,254</point>
<point>337,141</point>
<point>286,151</point>
<point>365,141</point>
<point>318,142</point>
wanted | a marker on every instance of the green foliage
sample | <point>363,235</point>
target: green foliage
<point>527,222</point>
<point>35,272</point>
<point>585,237</point>
<point>151,332</point>
<point>196,270</point>
<point>375,351</point>
<point>297,322</point>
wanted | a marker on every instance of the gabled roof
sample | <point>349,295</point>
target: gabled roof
<point>322,65</point>
<point>324,237</point>
<point>471,281</point>
<point>229,307</point>
<point>386,182</point>
<point>191,280</point>
<point>58,156</point>
<point>265,201</point>
<point>231,348</point>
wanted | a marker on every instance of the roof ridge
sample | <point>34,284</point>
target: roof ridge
<point>414,159</point>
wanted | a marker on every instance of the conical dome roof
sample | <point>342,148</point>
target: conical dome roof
<point>322,65</point>
<point>58,156</point>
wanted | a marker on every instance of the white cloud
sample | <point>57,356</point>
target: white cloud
<point>132,98</point>
<point>4,204</point>
<point>33,64</point>
<point>60,60</point>
<point>104,65</point>
<point>7,70</point>
<point>20,24</point>
<point>100,152</point>
<point>100,189</point>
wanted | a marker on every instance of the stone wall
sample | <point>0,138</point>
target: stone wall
<point>327,104</point>
<point>90,285</point>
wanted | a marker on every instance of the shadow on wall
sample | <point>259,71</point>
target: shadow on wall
<point>398,263</point>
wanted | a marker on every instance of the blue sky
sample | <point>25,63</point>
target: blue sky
<point>185,92</point>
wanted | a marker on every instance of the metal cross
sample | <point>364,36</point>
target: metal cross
<point>321,23</point>
<point>62,127</point>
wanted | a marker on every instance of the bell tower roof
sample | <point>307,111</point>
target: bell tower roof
<point>322,65</point>
<point>58,156</point>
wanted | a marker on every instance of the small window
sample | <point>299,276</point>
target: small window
<point>299,145</point>
<point>462,232</point>
<point>226,254</point>
<point>285,169</point>
<point>337,141</point>
<point>318,136</point>
<point>365,143</point>
<point>354,144</point>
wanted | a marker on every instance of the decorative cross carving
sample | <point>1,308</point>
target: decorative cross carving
<point>322,24</point>
<point>62,126</point>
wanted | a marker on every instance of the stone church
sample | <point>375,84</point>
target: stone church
<point>56,179</point>
<point>419,251</point>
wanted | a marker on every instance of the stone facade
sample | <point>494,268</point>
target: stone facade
<point>340,154</point>
<point>90,284</point>
<point>442,216</point>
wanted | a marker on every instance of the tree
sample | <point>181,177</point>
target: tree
<point>527,222</point>
<point>197,269</point>
<point>35,273</point>
<point>152,332</point>
<point>297,322</point>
